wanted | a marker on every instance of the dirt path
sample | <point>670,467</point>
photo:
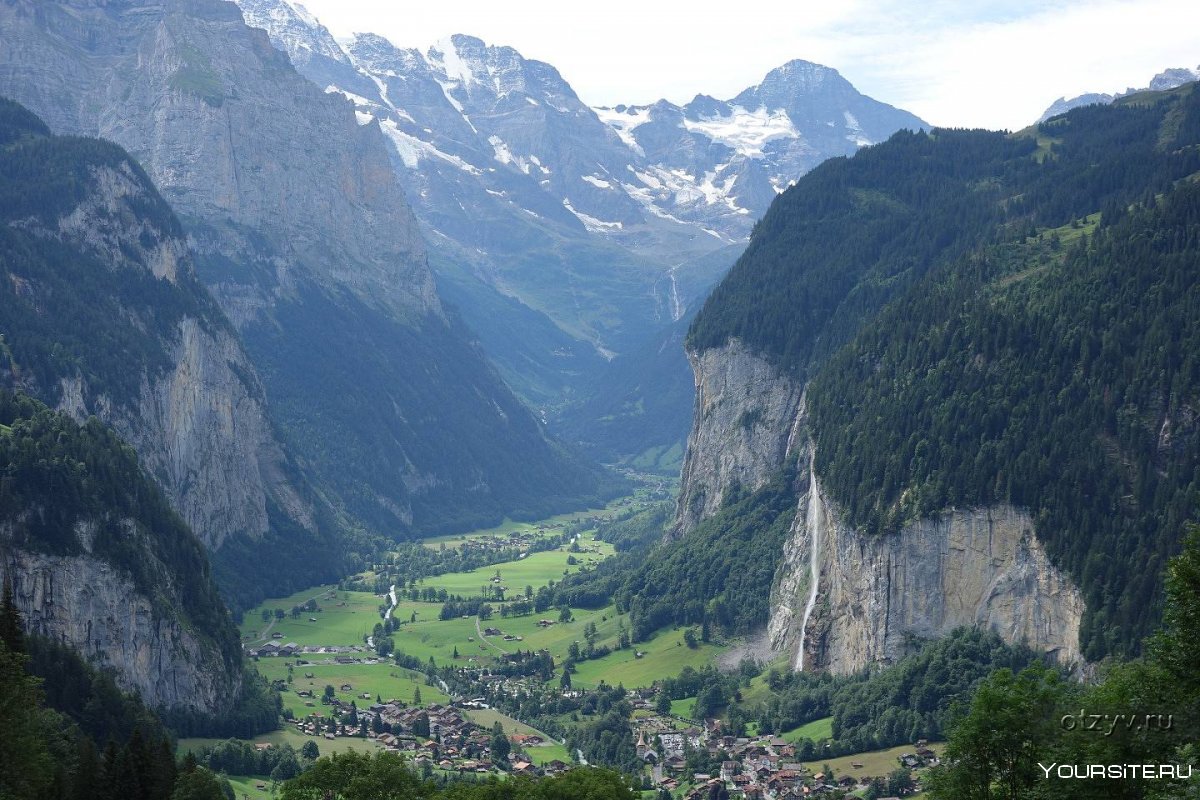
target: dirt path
<point>484,639</point>
<point>265,633</point>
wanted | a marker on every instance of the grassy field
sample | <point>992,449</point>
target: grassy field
<point>246,788</point>
<point>344,619</point>
<point>665,656</point>
<point>816,730</point>
<point>551,525</point>
<point>535,569</point>
<point>289,736</point>
<point>877,763</point>
<point>683,708</point>
<point>384,680</point>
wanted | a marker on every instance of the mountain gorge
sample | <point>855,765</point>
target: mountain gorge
<point>298,227</point>
<point>592,232</point>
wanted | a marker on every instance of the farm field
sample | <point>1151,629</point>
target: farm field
<point>383,679</point>
<point>875,763</point>
<point>246,788</point>
<point>665,656</point>
<point>535,569</point>
<point>344,618</point>
<point>683,708</point>
<point>549,525</point>
<point>287,736</point>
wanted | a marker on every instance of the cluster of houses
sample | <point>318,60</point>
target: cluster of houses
<point>521,539</point>
<point>348,654</point>
<point>436,737</point>
<point>759,768</point>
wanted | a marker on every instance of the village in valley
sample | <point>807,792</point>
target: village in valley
<point>456,670</point>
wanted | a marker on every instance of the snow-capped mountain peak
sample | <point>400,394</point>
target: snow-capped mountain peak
<point>1167,79</point>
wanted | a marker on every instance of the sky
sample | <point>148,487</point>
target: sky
<point>959,63</point>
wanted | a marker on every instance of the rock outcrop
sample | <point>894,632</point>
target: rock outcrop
<point>742,429</point>
<point>875,594</point>
<point>966,567</point>
<point>283,181</point>
<point>191,403</point>
<point>83,601</point>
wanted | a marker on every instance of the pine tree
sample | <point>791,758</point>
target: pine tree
<point>10,620</point>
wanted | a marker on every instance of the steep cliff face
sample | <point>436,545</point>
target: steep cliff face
<point>85,602</point>
<point>742,428</point>
<point>974,567</point>
<point>971,567</point>
<point>966,373</point>
<point>285,182</point>
<point>201,429</point>
<point>99,561</point>
<point>104,316</point>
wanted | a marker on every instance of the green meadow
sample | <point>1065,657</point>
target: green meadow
<point>535,569</point>
<point>383,680</point>
<point>876,763</point>
<point>816,730</point>
<point>344,619</point>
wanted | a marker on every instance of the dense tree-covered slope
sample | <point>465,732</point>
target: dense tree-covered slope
<point>989,318</point>
<point>70,490</point>
<point>65,309</point>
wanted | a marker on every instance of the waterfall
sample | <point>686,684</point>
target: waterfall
<point>676,304</point>
<point>812,520</point>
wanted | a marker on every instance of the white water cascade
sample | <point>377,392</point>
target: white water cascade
<point>812,520</point>
<point>676,305</point>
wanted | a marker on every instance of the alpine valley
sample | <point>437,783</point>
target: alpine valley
<point>384,423</point>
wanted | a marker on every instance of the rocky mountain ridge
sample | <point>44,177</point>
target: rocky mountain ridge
<point>592,230</point>
<point>1167,79</point>
<point>301,231</point>
<point>194,408</point>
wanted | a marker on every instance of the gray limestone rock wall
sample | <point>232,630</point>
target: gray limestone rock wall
<point>965,567</point>
<point>201,427</point>
<point>279,173</point>
<point>980,567</point>
<point>741,429</point>
<point>84,602</point>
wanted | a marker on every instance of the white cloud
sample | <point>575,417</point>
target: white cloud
<point>987,63</point>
